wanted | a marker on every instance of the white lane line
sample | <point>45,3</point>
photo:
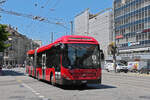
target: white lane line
<point>34,91</point>
<point>25,85</point>
<point>37,93</point>
<point>41,96</point>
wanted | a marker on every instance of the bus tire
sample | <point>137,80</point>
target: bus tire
<point>84,85</point>
<point>38,78</point>
<point>52,80</point>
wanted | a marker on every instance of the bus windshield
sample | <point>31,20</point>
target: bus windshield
<point>81,56</point>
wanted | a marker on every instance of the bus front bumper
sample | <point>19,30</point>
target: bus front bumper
<point>79,82</point>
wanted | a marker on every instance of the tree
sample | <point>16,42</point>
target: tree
<point>3,37</point>
<point>112,50</point>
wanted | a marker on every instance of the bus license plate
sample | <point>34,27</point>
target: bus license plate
<point>84,81</point>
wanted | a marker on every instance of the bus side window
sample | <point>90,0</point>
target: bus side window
<point>53,58</point>
<point>49,58</point>
<point>27,61</point>
<point>39,60</point>
<point>57,62</point>
<point>31,61</point>
<point>43,59</point>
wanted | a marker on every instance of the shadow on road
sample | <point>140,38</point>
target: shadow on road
<point>82,87</point>
<point>88,87</point>
<point>11,73</point>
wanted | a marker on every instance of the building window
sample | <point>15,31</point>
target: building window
<point>126,38</point>
<point>141,15</point>
<point>136,38</point>
<point>145,13</point>
<point>136,16</point>
<point>140,26</point>
<point>148,35</point>
<point>142,36</point>
<point>137,27</point>
<point>139,36</point>
<point>149,12</point>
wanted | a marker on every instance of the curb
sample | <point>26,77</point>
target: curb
<point>137,74</point>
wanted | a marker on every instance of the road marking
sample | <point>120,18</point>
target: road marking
<point>45,99</point>
<point>41,96</point>
<point>137,74</point>
<point>34,91</point>
<point>37,93</point>
<point>19,81</point>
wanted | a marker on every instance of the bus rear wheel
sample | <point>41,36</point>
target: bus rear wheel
<point>52,81</point>
<point>38,77</point>
<point>84,85</point>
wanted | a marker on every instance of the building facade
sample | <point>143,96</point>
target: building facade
<point>97,25</point>
<point>20,44</point>
<point>132,28</point>
<point>39,42</point>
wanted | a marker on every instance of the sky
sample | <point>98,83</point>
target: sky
<point>56,11</point>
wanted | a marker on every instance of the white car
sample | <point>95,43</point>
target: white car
<point>109,66</point>
<point>120,67</point>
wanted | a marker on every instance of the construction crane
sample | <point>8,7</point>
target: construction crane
<point>38,18</point>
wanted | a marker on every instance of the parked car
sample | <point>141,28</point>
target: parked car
<point>120,67</point>
<point>109,66</point>
<point>145,69</point>
<point>135,66</point>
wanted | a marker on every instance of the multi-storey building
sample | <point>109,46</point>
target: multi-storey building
<point>20,44</point>
<point>39,42</point>
<point>132,28</point>
<point>97,25</point>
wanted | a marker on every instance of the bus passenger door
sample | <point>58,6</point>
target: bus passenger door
<point>43,65</point>
<point>57,68</point>
<point>31,65</point>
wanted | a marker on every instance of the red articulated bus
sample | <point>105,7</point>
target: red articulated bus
<point>69,60</point>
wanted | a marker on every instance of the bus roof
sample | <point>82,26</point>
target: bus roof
<point>67,39</point>
<point>30,52</point>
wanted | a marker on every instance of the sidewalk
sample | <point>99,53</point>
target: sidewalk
<point>127,74</point>
<point>138,74</point>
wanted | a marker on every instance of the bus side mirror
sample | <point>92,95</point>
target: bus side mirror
<point>101,55</point>
<point>62,46</point>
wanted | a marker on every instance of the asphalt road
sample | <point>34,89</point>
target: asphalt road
<point>15,85</point>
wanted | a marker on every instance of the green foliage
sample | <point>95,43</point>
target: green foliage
<point>3,37</point>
